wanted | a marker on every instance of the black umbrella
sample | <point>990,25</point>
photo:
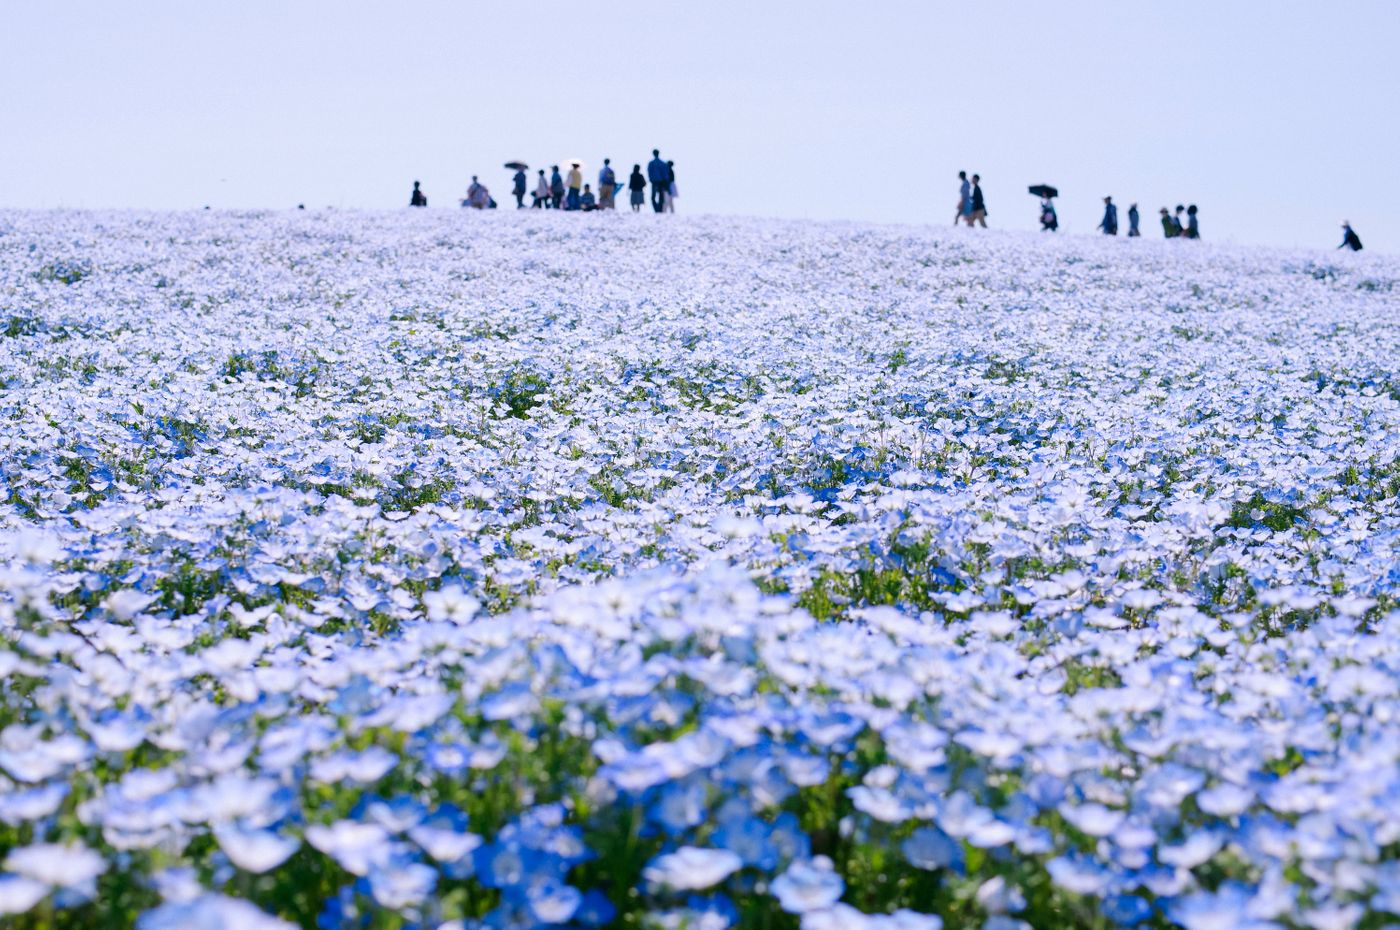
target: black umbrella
<point>1043,190</point>
<point>516,165</point>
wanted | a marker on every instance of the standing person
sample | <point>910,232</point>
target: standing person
<point>671,187</point>
<point>1193,226</point>
<point>477,195</point>
<point>1049,219</point>
<point>607,184</point>
<point>1109,224</point>
<point>637,184</point>
<point>979,203</point>
<point>556,187</point>
<point>1350,240</point>
<point>1170,228</point>
<point>541,194</point>
<point>575,184</point>
<point>660,178</point>
<point>417,198</point>
<point>1178,219</point>
<point>1133,231</point>
<point>519,189</point>
<point>964,200</point>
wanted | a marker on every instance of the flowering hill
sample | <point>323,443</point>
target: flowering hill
<point>426,569</point>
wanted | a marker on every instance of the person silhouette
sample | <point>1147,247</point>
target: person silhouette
<point>660,177</point>
<point>417,198</point>
<point>637,185</point>
<point>1193,226</point>
<point>1350,240</point>
<point>979,204</point>
<point>1109,223</point>
<point>1133,231</point>
<point>541,194</point>
<point>518,188</point>
<point>964,199</point>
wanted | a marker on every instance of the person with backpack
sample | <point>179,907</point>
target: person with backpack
<point>660,178</point>
<point>1133,231</point>
<point>964,200</point>
<point>556,188</point>
<point>1193,226</point>
<point>979,204</point>
<point>607,184</point>
<point>519,189</point>
<point>417,198</point>
<point>637,184</point>
<point>1049,219</point>
<point>541,194</point>
<point>1350,240</point>
<point>1109,223</point>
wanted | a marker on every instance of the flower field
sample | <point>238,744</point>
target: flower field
<point>429,570</point>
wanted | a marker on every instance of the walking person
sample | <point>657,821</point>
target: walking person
<point>1049,219</point>
<point>417,198</point>
<point>1193,226</point>
<point>575,185</point>
<point>556,188</point>
<point>607,184</point>
<point>1109,223</point>
<point>660,177</point>
<point>541,195</point>
<point>979,203</point>
<point>964,200</point>
<point>1350,240</point>
<point>637,185</point>
<point>671,187</point>
<point>519,189</point>
<point>1133,231</point>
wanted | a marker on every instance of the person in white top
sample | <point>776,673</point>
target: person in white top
<point>541,194</point>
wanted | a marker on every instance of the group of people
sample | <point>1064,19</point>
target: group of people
<point>1173,226</point>
<point>972,206</point>
<point>569,192</point>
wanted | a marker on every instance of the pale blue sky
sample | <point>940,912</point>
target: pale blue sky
<point>1278,118</point>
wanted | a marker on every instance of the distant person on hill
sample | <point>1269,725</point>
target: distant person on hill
<point>1350,240</point>
<point>979,204</point>
<point>1133,231</point>
<point>671,191</point>
<point>519,189</point>
<point>556,187</point>
<point>637,184</point>
<point>1179,218</point>
<point>964,200</point>
<point>541,194</point>
<point>660,177</point>
<point>417,198</point>
<point>478,196</point>
<point>1109,223</point>
<point>1170,227</point>
<point>1049,219</point>
<point>607,184</point>
<point>1193,226</point>
<point>575,183</point>
<point>587,201</point>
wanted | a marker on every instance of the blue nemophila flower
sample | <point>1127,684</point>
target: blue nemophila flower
<point>808,885</point>
<point>213,911</point>
<point>254,850</point>
<point>692,868</point>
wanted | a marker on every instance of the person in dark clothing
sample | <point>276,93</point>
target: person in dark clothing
<point>1049,219</point>
<point>417,198</point>
<point>637,185</point>
<point>1193,227</point>
<point>1350,240</point>
<point>556,187</point>
<point>1179,218</point>
<point>671,187</point>
<point>519,189</point>
<point>1133,231</point>
<point>1170,227</point>
<point>660,177</point>
<point>1109,224</point>
<point>979,204</point>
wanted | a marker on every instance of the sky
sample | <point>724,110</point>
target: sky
<point>1278,119</point>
